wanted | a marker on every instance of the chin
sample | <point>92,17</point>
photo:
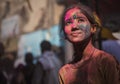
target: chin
<point>75,40</point>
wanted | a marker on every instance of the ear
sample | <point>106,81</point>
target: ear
<point>93,29</point>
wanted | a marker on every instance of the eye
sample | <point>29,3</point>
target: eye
<point>81,20</point>
<point>68,22</point>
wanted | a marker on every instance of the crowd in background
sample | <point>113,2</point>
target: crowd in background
<point>32,73</point>
<point>46,68</point>
<point>49,62</point>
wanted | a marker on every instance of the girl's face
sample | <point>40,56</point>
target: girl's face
<point>77,27</point>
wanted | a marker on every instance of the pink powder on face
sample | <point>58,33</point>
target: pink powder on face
<point>70,13</point>
<point>77,21</point>
<point>71,18</point>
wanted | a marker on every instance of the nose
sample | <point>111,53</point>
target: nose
<point>75,25</point>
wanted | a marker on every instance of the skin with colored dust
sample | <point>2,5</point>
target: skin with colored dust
<point>86,29</point>
<point>77,26</point>
<point>89,65</point>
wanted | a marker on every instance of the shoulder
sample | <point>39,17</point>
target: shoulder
<point>104,56</point>
<point>64,69</point>
<point>108,42</point>
<point>38,66</point>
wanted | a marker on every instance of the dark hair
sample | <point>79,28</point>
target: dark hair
<point>45,46</point>
<point>84,9</point>
<point>29,57</point>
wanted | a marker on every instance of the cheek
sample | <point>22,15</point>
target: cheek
<point>84,27</point>
<point>67,30</point>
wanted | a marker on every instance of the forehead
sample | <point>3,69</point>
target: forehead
<point>74,11</point>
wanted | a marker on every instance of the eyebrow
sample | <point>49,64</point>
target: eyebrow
<point>68,19</point>
<point>75,18</point>
<point>81,17</point>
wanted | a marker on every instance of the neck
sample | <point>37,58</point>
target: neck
<point>79,49</point>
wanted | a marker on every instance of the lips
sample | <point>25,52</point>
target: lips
<point>76,33</point>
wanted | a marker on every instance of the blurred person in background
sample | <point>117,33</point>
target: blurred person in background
<point>2,51</point>
<point>7,72</point>
<point>29,67</point>
<point>89,65</point>
<point>107,41</point>
<point>110,43</point>
<point>19,77</point>
<point>46,71</point>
